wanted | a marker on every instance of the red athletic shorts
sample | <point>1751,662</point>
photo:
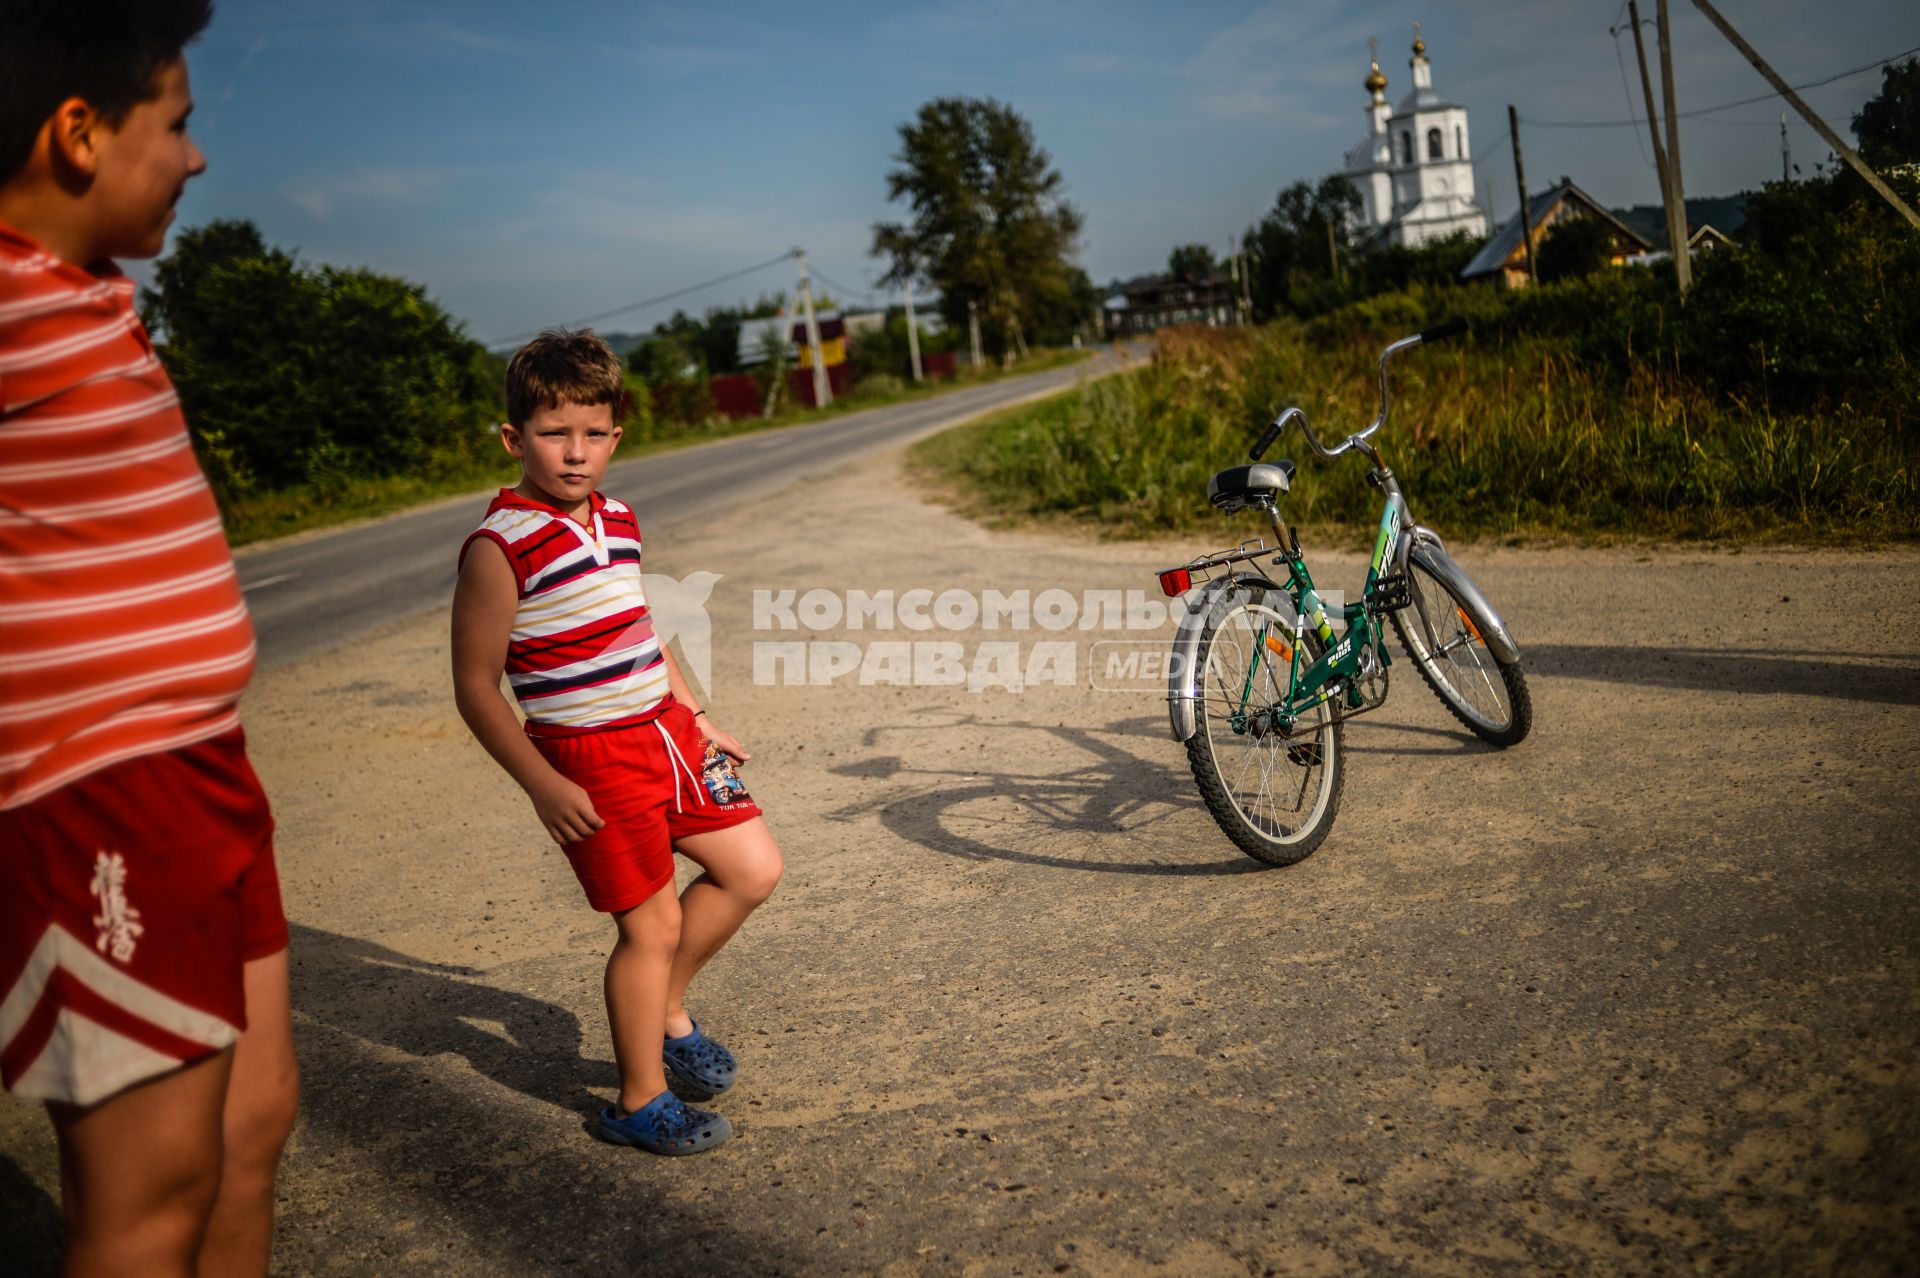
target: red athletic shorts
<point>130,901</point>
<point>649,793</point>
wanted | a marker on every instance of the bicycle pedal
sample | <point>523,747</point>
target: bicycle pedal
<point>1390,593</point>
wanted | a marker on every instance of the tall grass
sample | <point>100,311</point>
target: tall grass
<point>1513,438</point>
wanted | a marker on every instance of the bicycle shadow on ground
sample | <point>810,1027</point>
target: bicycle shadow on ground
<point>1101,789</point>
<point>396,1134</point>
<point>31,1227</point>
<point>1847,677</point>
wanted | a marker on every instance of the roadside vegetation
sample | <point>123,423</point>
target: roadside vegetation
<point>318,395</point>
<point>1780,401</point>
<point>1500,437</point>
<point>260,514</point>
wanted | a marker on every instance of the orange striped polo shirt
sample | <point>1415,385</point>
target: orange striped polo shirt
<point>122,629</point>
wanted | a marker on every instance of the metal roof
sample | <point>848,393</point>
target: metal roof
<point>1423,100</point>
<point>1495,252</point>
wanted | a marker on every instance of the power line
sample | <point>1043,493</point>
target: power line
<point>832,283</point>
<point>654,301</point>
<point>1626,91</point>
<point>1724,106</point>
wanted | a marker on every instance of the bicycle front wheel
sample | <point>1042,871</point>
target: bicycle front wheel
<point>1486,694</point>
<point>1274,791</point>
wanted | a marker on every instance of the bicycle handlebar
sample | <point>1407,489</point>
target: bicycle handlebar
<point>1439,332</point>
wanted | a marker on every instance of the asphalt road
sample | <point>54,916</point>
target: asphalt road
<point>311,593</point>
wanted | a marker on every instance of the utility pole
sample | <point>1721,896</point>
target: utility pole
<point>973,331</point>
<point>1676,189</point>
<point>822,387</point>
<point>1520,177</point>
<point>1786,152</point>
<point>1832,139</point>
<point>913,333</point>
<point>1653,117</point>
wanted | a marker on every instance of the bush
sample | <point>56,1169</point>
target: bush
<point>1575,247</point>
<point>291,375</point>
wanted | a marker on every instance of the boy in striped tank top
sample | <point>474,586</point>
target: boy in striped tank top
<point>143,965</point>
<point>623,768</point>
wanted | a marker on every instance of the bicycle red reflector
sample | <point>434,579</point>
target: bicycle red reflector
<point>1176,581</point>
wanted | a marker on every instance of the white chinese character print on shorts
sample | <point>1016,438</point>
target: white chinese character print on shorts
<point>118,923</point>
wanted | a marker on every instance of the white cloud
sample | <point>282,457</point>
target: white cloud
<point>404,185</point>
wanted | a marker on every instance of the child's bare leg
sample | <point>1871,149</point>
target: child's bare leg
<point>637,974</point>
<point>262,1095</point>
<point>741,866</point>
<point>141,1172</point>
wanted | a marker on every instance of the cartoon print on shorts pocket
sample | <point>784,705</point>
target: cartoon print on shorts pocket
<point>723,782</point>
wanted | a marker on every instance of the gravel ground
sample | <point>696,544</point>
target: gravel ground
<point>1638,996</point>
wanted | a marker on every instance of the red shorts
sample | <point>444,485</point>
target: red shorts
<point>649,796</point>
<point>130,901</point>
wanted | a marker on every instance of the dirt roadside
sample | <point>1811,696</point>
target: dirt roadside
<point>1638,996</point>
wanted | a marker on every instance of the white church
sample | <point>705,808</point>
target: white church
<point>1414,168</point>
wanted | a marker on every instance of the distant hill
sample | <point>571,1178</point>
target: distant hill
<point>1724,213</point>
<point>624,342</point>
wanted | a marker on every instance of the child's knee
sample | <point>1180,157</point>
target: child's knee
<point>763,877</point>
<point>263,1130</point>
<point>653,925</point>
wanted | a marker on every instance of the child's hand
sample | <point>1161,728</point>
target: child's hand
<point>723,741</point>
<point>564,809</point>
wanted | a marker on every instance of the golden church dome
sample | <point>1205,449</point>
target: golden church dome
<point>1376,80</point>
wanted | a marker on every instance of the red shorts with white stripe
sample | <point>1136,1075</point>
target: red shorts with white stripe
<point>651,784</point>
<point>130,901</point>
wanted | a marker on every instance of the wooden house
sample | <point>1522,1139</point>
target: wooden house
<point>1503,258</point>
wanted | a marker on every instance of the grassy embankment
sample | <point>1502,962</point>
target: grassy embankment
<point>1510,439</point>
<point>262,515</point>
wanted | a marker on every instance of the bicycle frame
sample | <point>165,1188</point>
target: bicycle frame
<point>1338,669</point>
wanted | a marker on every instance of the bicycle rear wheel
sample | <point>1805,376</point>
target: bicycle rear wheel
<point>1486,694</point>
<point>1273,792</point>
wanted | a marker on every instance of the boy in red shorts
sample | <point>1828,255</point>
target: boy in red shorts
<point>143,969</point>
<point>622,767</point>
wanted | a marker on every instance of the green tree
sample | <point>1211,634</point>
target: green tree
<point>1574,247</point>
<point>178,296</point>
<point>290,374</point>
<point>776,357</point>
<point>1888,124</point>
<point>990,226</point>
<point>1289,249</point>
<point>1191,262</point>
<point>1382,267</point>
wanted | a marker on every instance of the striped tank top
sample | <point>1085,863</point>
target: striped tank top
<point>582,655</point>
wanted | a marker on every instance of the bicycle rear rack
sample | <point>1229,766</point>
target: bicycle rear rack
<point>1204,568</point>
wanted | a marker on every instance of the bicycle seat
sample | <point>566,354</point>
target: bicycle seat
<point>1238,487</point>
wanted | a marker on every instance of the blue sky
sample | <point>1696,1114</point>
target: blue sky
<point>531,164</point>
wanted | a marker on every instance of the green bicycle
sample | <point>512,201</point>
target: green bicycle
<point>1260,683</point>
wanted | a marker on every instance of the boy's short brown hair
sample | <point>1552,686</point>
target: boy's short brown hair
<point>564,366</point>
<point>107,52</point>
